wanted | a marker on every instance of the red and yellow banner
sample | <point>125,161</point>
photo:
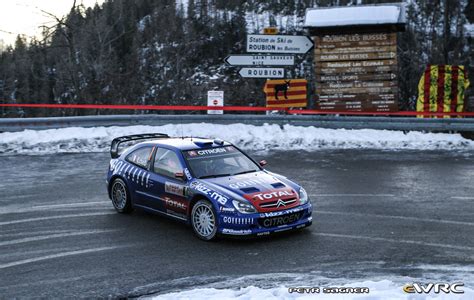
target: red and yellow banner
<point>442,89</point>
<point>286,93</point>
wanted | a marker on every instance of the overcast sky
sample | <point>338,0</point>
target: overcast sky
<point>25,16</point>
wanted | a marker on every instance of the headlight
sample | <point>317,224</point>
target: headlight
<point>244,207</point>
<point>303,196</point>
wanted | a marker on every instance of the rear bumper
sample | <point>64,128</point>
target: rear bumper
<point>261,224</point>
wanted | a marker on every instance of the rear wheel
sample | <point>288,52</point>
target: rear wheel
<point>204,220</point>
<point>120,196</point>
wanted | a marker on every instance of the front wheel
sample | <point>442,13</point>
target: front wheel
<point>120,196</point>
<point>204,221</point>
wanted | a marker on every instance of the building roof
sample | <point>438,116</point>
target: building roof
<point>360,15</point>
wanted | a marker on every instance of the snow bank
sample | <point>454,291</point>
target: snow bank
<point>257,138</point>
<point>355,15</point>
<point>383,289</point>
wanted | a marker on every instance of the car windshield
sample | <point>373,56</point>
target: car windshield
<point>218,162</point>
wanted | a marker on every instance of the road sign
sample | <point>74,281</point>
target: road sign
<point>262,72</point>
<point>356,70</point>
<point>354,64</point>
<point>376,90</point>
<point>270,30</point>
<point>260,60</point>
<point>354,56</point>
<point>279,43</point>
<point>354,77</point>
<point>357,40</point>
<point>353,84</point>
<point>215,98</point>
<point>286,93</point>
<point>355,50</point>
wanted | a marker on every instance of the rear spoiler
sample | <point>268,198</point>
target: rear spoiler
<point>114,147</point>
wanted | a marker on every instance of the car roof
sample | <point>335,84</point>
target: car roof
<point>188,143</point>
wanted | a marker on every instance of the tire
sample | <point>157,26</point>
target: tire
<point>120,196</point>
<point>204,220</point>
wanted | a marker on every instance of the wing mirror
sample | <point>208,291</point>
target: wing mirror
<point>262,163</point>
<point>179,175</point>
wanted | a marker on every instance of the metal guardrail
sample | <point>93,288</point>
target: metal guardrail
<point>322,121</point>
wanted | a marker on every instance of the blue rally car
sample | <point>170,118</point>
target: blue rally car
<point>210,184</point>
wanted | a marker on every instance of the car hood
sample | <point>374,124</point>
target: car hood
<point>266,191</point>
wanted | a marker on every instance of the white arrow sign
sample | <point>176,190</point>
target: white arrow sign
<point>260,60</point>
<point>262,72</point>
<point>279,43</point>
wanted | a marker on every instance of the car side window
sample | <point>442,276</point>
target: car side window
<point>140,157</point>
<point>167,163</point>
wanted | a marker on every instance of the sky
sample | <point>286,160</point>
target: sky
<point>25,16</point>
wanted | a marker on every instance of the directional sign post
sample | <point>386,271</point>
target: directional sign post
<point>262,72</point>
<point>278,43</point>
<point>260,60</point>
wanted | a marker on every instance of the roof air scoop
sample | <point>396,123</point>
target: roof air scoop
<point>218,142</point>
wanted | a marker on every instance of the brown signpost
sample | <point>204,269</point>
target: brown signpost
<point>356,62</point>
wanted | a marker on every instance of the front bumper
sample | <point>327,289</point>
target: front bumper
<point>237,224</point>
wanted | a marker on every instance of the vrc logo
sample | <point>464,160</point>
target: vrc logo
<point>435,287</point>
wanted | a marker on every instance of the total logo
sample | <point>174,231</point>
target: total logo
<point>271,195</point>
<point>175,204</point>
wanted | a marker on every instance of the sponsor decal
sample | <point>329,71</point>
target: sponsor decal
<point>117,167</point>
<point>113,162</point>
<point>247,183</point>
<point>174,188</point>
<point>149,183</point>
<point>274,194</point>
<point>134,173</point>
<point>329,290</point>
<point>437,288</point>
<point>212,194</point>
<point>236,232</point>
<point>237,221</point>
<point>227,209</point>
<point>125,173</point>
<point>263,233</point>
<point>274,200</point>
<point>188,174</point>
<point>280,213</point>
<point>211,151</point>
<point>175,205</point>
<point>193,184</point>
<point>281,220</point>
<point>219,198</point>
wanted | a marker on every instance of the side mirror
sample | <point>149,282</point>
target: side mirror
<point>179,175</point>
<point>262,163</point>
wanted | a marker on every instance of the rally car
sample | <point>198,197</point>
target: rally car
<point>208,183</point>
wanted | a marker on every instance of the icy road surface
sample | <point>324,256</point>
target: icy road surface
<point>383,217</point>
